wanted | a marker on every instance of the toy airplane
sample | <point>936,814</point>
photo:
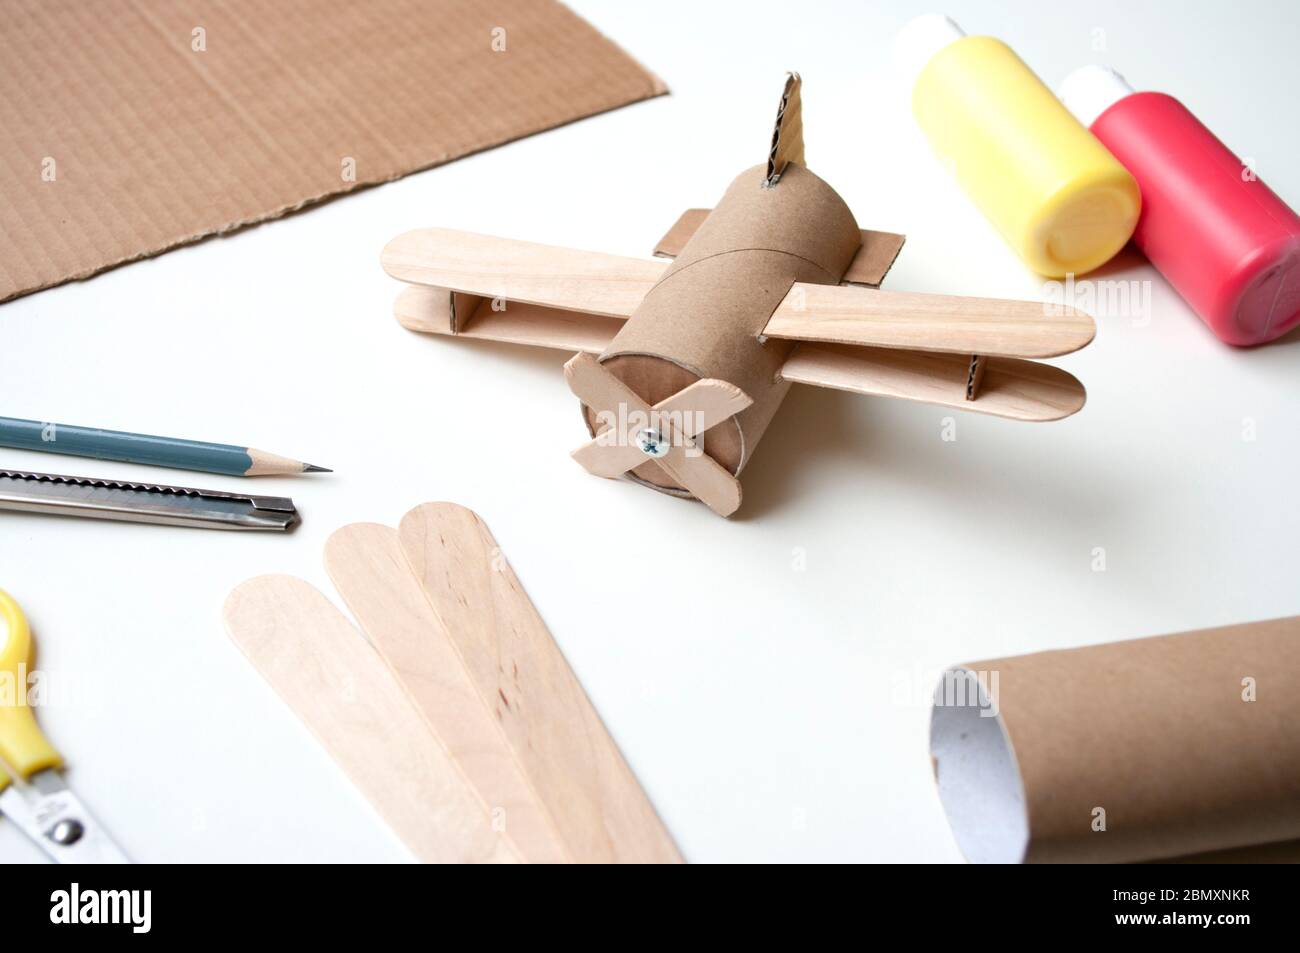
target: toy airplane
<point>760,294</point>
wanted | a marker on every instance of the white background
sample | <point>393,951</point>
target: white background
<point>772,714</point>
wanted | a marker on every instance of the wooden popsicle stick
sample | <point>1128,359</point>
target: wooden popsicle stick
<point>366,563</point>
<point>521,271</point>
<point>1011,388</point>
<point>707,480</point>
<point>926,322</point>
<point>338,686</point>
<point>693,410</point>
<point>573,764</point>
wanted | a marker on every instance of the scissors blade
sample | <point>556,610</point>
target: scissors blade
<point>60,823</point>
<point>15,807</point>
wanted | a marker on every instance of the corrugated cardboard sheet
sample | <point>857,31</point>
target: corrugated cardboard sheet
<point>132,126</point>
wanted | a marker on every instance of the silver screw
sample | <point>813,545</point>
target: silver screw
<point>67,831</point>
<point>652,443</point>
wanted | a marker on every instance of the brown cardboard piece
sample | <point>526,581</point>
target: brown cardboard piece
<point>1188,743</point>
<point>869,266</point>
<point>787,132</point>
<point>675,239</point>
<point>131,128</point>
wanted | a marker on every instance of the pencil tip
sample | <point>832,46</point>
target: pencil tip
<point>312,468</point>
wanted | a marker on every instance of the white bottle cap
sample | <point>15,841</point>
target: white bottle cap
<point>918,41</point>
<point>1090,90</point>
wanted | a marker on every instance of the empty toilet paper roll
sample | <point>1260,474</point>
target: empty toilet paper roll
<point>1128,751</point>
<point>704,317</point>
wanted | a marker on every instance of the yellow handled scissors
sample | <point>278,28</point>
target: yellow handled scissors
<point>52,815</point>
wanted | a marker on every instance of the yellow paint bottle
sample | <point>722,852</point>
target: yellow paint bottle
<point>1057,195</point>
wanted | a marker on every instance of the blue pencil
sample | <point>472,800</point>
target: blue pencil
<point>147,450</point>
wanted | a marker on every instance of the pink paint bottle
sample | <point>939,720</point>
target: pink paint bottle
<point>1220,236</point>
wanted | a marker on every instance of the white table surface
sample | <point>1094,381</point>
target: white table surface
<point>772,714</point>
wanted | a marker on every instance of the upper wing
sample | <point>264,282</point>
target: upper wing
<point>554,277</point>
<point>611,285</point>
<point>837,314</point>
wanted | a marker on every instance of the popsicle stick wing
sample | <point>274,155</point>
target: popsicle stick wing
<point>1011,388</point>
<point>836,314</point>
<point>515,271</point>
<point>510,273</point>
